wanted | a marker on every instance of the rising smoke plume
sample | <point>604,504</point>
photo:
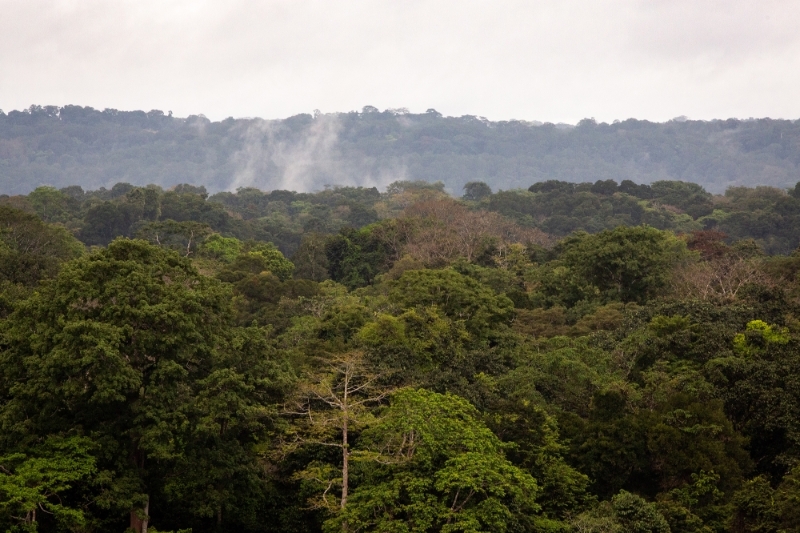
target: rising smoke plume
<point>304,156</point>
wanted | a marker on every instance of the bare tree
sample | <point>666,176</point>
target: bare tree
<point>333,401</point>
<point>720,278</point>
<point>447,230</point>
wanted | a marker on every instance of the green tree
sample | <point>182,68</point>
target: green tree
<point>758,336</point>
<point>697,507</point>
<point>33,483</point>
<point>761,392</point>
<point>52,205</point>
<point>218,247</point>
<point>758,507</point>
<point>421,347</point>
<point>637,515</point>
<point>459,298</point>
<point>31,250</point>
<point>631,264</point>
<point>272,259</point>
<point>624,513</point>
<point>219,474</point>
<point>534,446</point>
<point>117,345</point>
<point>755,509</point>
<point>442,470</point>
<point>475,191</point>
<point>355,257</point>
<point>310,259</point>
<point>191,206</point>
<point>788,497</point>
<point>105,221</point>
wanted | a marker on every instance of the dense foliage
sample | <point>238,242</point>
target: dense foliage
<point>62,146</point>
<point>570,358</point>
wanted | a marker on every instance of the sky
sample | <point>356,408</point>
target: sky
<point>546,60</point>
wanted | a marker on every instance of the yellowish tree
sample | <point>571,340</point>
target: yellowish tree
<point>332,402</point>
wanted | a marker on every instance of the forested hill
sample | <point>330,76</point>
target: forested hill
<point>69,145</point>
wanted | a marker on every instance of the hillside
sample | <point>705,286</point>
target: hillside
<point>70,145</point>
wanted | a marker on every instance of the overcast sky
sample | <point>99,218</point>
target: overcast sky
<point>548,60</point>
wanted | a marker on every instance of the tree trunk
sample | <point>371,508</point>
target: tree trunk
<point>345,465</point>
<point>139,517</point>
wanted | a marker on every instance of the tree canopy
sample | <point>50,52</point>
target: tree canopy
<point>593,357</point>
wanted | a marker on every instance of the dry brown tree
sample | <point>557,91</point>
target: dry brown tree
<point>447,230</point>
<point>722,271</point>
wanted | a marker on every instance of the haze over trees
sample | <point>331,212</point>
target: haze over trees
<point>62,146</point>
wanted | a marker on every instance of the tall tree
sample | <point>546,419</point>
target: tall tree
<point>115,346</point>
<point>332,403</point>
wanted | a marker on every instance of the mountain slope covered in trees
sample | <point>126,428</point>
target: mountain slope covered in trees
<point>61,146</point>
